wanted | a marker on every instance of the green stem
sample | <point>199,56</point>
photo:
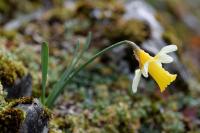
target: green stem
<point>56,92</point>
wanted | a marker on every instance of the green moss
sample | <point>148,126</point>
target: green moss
<point>23,100</point>
<point>107,9</point>
<point>170,38</point>
<point>10,35</point>
<point>4,7</point>
<point>14,102</point>
<point>26,6</point>
<point>11,8</point>
<point>2,97</point>
<point>13,117</point>
<point>53,130</point>
<point>47,114</point>
<point>58,123</point>
<point>172,33</point>
<point>59,14</point>
<point>115,119</point>
<point>172,122</point>
<point>134,30</point>
<point>10,120</point>
<point>85,8</point>
<point>10,69</point>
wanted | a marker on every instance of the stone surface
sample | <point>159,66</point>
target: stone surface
<point>36,120</point>
<point>21,88</point>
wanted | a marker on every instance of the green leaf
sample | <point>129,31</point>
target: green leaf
<point>88,41</point>
<point>45,60</point>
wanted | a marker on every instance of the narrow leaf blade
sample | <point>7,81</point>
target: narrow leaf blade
<point>45,61</point>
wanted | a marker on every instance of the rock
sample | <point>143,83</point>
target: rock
<point>36,120</point>
<point>21,88</point>
<point>24,115</point>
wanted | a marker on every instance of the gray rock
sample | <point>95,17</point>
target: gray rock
<point>36,120</point>
<point>21,88</point>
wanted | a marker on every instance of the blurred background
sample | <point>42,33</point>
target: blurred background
<point>99,100</point>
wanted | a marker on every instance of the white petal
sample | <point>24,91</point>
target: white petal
<point>168,49</point>
<point>164,58</point>
<point>145,69</point>
<point>136,80</point>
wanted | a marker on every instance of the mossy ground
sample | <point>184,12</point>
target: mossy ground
<point>99,100</point>
<point>10,68</point>
<point>12,117</point>
<point>111,108</point>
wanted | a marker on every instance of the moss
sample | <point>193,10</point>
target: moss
<point>58,3</point>
<point>2,97</point>
<point>115,118</point>
<point>172,33</point>
<point>172,122</point>
<point>58,15</point>
<point>170,38</point>
<point>7,6</point>
<point>47,114</point>
<point>13,117</point>
<point>13,103</point>
<point>53,130</point>
<point>10,35</point>
<point>85,8</point>
<point>10,120</point>
<point>100,10</point>
<point>134,30</point>
<point>10,69</point>
<point>23,100</point>
<point>57,123</point>
<point>4,7</point>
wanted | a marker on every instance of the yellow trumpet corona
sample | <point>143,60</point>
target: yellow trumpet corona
<point>162,77</point>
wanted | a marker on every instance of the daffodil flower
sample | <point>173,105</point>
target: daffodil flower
<point>153,66</point>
